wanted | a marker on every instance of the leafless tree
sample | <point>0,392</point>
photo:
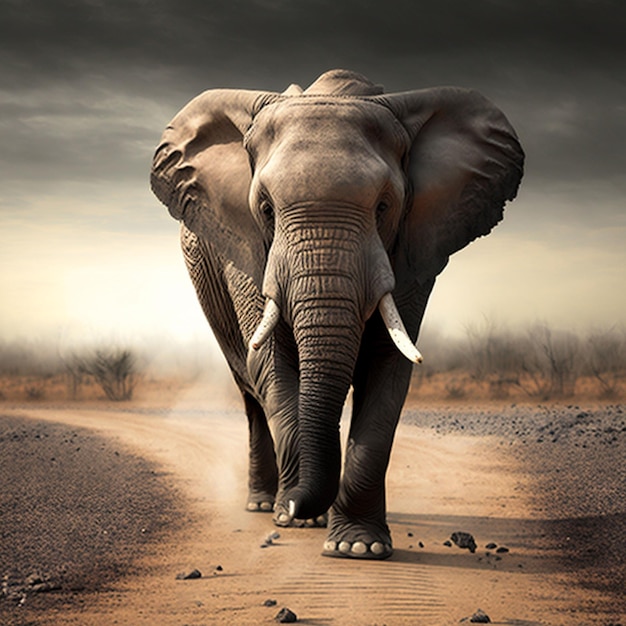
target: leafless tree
<point>606,359</point>
<point>551,364</point>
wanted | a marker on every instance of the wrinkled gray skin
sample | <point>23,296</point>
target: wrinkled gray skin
<point>324,201</point>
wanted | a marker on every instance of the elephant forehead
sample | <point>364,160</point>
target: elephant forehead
<point>307,123</point>
<point>311,172</point>
<point>322,150</point>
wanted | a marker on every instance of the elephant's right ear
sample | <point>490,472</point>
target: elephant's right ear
<point>465,162</point>
<point>201,173</point>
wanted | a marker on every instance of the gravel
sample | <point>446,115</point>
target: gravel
<point>76,510</point>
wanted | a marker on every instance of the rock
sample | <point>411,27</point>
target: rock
<point>420,544</point>
<point>502,550</point>
<point>480,617</point>
<point>194,573</point>
<point>269,602</point>
<point>448,544</point>
<point>34,579</point>
<point>45,587</point>
<point>269,540</point>
<point>491,546</point>
<point>464,540</point>
<point>285,616</point>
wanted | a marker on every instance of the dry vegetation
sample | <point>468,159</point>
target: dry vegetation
<point>534,363</point>
<point>537,363</point>
<point>36,372</point>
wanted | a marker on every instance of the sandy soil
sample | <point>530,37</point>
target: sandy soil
<point>546,482</point>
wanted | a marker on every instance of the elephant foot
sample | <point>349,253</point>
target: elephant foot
<point>260,503</point>
<point>377,550</point>
<point>357,540</point>
<point>283,518</point>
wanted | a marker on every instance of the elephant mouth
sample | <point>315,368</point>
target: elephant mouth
<point>388,311</point>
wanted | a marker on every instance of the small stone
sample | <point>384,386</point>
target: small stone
<point>270,602</point>
<point>420,544</point>
<point>194,573</point>
<point>502,550</point>
<point>285,616</point>
<point>491,546</point>
<point>448,544</point>
<point>269,540</point>
<point>34,579</point>
<point>480,617</point>
<point>219,568</point>
<point>409,534</point>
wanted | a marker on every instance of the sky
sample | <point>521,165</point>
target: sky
<point>87,87</point>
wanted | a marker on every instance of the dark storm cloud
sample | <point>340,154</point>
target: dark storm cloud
<point>272,38</point>
<point>87,85</point>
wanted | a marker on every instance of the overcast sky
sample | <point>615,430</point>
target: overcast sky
<point>87,87</point>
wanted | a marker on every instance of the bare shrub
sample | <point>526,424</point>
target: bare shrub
<point>35,392</point>
<point>551,363</point>
<point>114,370</point>
<point>75,374</point>
<point>606,360</point>
<point>493,355</point>
<point>456,388</point>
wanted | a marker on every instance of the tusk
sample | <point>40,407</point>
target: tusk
<point>271,315</point>
<point>396,329</point>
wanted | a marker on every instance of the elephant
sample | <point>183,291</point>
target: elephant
<point>314,225</point>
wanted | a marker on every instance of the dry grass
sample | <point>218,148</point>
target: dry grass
<point>443,386</point>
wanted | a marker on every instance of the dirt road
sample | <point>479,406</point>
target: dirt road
<point>438,483</point>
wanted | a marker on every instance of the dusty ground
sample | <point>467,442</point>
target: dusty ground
<point>546,482</point>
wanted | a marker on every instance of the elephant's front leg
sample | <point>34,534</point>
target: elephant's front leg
<point>357,522</point>
<point>274,370</point>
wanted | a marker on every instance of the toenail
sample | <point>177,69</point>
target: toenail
<point>344,547</point>
<point>358,547</point>
<point>377,548</point>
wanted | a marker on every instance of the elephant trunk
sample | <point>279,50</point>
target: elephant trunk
<point>327,352</point>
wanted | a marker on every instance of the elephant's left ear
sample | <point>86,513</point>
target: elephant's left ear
<point>465,162</point>
<point>201,172</point>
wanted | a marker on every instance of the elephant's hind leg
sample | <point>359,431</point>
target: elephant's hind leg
<point>262,471</point>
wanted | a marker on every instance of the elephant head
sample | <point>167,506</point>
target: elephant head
<point>330,199</point>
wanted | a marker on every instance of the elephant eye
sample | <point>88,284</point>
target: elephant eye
<point>381,208</point>
<point>267,208</point>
